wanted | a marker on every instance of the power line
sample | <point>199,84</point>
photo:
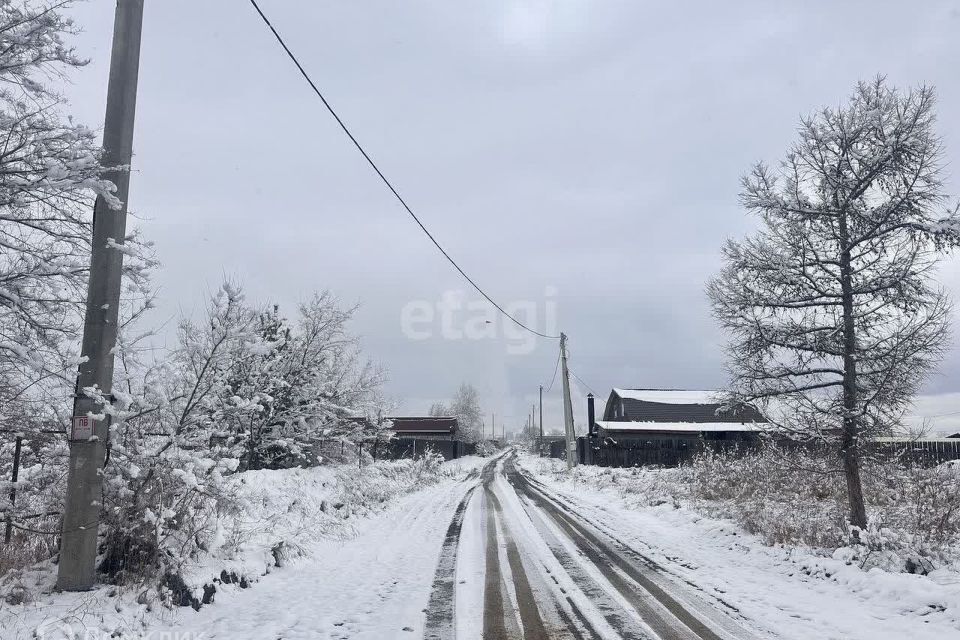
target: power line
<point>581,381</point>
<point>942,415</point>
<point>555,369</point>
<point>373,165</point>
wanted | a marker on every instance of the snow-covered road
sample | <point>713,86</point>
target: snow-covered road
<point>509,552</point>
<point>528,567</point>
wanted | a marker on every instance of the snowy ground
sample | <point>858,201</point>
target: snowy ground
<point>510,547</point>
<point>373,585</point>
<point>780,592</point>
<point>359,555</point>
<point>530,567</point>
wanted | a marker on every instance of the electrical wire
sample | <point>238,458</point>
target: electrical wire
<point>390,186</point>
<point>942,415</point>
<point>555,369</point>
<point>581,381</point>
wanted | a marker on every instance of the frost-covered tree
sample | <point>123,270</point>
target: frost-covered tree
<point>259,389</point>
<point>298,382</point>
<point>439,410</point>
<point>465,406</point>
<point>833,316</point>
<point>243,389</point>
<point>49,175</point>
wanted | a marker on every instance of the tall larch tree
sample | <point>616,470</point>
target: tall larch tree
<point>831,307</point>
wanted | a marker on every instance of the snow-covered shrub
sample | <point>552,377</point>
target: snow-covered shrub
<point>40,488</point>
<point>487,448</point>
<point>361,487</point>
<point>243,390</point>
<point>797,496</point>
<point>784,496</point>
<point>638,486</point>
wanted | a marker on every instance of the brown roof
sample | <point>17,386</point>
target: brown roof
<point>424,424</point>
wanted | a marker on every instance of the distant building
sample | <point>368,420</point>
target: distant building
<point>425,427</point>
<point>551,445</point>
<point>664,426</point>
<point>416,435</point>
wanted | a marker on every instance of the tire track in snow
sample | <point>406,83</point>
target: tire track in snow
<point>577,605</point>
<point>494,627</point>
<point>699,603</point>
<point>440,608</point>
<point>615,615</point>
<point>533,628</point>
<point>651,601</point>
<point>613,583</point>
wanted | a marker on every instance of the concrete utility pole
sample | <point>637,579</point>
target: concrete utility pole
<point>493,426</point>
<point>540,442</point>
<point>568,407</point>
<point>78,546</point>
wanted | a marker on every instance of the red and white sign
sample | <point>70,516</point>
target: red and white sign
<point>82,428</point>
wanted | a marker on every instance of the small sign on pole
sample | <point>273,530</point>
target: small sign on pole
<point>82,428</point>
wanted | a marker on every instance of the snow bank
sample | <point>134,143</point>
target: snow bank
<point>286,516</point>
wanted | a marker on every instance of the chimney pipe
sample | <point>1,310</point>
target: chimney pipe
<point>590,415</point>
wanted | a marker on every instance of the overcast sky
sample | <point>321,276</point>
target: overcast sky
<point>582,156</point>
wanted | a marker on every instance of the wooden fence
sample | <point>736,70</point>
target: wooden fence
<point>920,452</point>
<point>929,452</point>
<point>398,448</point>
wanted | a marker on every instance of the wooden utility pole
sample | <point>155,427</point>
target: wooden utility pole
<point>540,442</point>
<point>568,407</point>
<point>89,437</point>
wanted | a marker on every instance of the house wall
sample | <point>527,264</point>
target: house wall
<point>425,435</point>
<point>417,447</point>
<point>625,449</point>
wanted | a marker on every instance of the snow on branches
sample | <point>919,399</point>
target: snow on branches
<point>50,173</point>
<point>244,389</point>
<point>833,316</point>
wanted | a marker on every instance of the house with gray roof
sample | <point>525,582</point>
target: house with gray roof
<point>666,426</point>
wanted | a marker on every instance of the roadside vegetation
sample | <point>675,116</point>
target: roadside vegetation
<point>798,498</point>
<point>243,389</point>
<point>271,518</point>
